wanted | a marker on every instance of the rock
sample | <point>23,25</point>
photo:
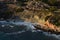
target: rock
<point>54,30</point>
<point>33,5</point>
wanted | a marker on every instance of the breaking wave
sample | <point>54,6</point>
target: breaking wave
<point>23,31</point>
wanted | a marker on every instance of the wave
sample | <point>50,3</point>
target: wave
<point>28,28</point>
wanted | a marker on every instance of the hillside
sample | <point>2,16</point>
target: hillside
<point>46,12</point>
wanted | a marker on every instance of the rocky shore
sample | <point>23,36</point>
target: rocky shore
<point>48,28</point>
<point>32,11</point>
<point>18,26</point>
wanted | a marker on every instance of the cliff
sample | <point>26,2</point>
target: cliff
<point>35,11</point>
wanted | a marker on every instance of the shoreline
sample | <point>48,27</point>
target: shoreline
<point>45,28</point>
<point>52,31</point>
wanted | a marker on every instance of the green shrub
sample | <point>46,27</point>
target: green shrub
<point>52,2</point>
<point>44,1</point>
<point>52,8</point>
<point>53,19</point>
<point>19,10</point>
<point>23,0</point>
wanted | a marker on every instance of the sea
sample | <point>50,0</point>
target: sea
<point>13,31</point>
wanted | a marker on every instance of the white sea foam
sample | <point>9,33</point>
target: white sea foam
<point>29,26</point>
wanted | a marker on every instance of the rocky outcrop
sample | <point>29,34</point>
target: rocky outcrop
<point>33,5</point>
<point>32,11</point>
<point>48,27</point>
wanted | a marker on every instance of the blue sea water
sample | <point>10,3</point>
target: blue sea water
<point>25,34</point>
